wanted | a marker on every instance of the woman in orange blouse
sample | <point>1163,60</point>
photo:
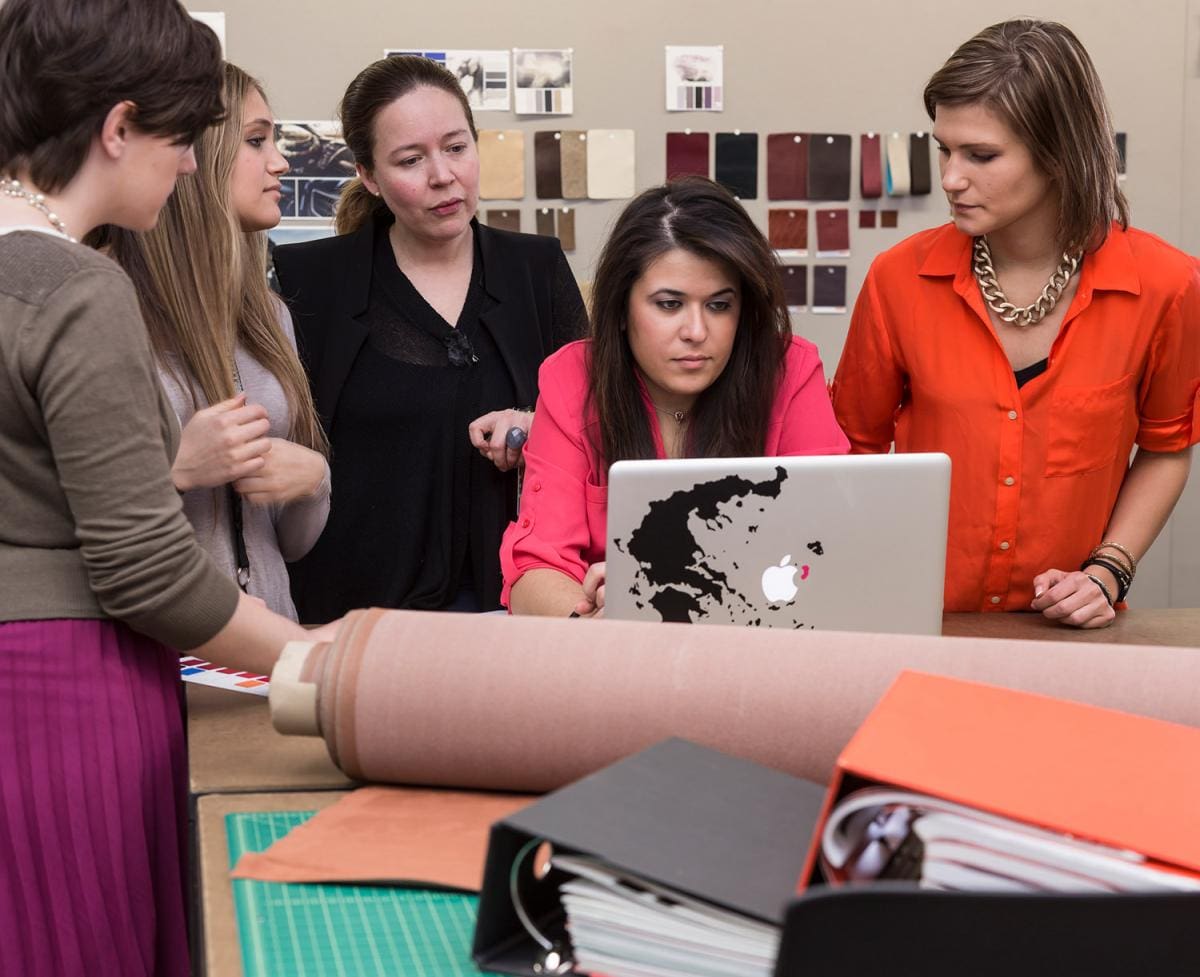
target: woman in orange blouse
<point>1035,339</point>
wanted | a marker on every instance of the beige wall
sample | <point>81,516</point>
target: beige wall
<point>850,66</point>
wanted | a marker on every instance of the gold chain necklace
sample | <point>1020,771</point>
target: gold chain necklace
<point>998,302</point>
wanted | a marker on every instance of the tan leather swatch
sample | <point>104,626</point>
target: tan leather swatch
<point>574,164</point>
<point>506,220</point>
<point>544,221</point>
<point>566,228</point>
<point>501,164</point>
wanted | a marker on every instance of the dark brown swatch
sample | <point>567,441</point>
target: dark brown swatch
<point>787,166</point>
<point>889,218</point>
<point>544,221</point>
<point>918,164</point>
<point>795,285</point>
<point>566,228</point>
<point>828,167</point>
<point>547,165</point>
<point>505,220</point>
<point>829,286</point>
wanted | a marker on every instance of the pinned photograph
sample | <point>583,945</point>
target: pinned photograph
<point>485,76</point>
<point>321,164</point>
<point>695,79</point>
<point>291,235</point>
<point>543,81</point>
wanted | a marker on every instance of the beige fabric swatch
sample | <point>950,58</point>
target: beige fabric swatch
<point>388,834</point>
<point>610,164</point>
<point>501,164</point>
<point>574,164</point>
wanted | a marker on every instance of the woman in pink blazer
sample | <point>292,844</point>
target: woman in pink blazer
<point>691,355</point>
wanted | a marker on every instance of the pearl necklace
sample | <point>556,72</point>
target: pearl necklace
<point>13,188</point>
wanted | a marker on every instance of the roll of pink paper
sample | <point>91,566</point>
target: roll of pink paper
<point>531,704</point>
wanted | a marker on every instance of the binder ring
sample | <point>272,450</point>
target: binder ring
<point>553,958</point>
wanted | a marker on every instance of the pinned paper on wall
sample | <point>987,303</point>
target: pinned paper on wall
<point>484,75</point>
<point>736,163</point>
<point>687,154</point>
<point>898,178</point>
<point>501,164</point>
<point>214,19</point>
<point>829,289</point>
<point>544,81</point>
<point>828,166</point>
<point>695,79</point>
<point>547,165</point>
<point>610,164</point>
<point>505,220</point>
<point>833,233</point>
<point>319,166</point>
<point>573,150</point>
<point>787,231</point>
<point>870,166</point>
<point>795,287</point>
<point>787,166</point>
<point>920,177</point>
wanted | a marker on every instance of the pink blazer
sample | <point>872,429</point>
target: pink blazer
<point>564,503</point>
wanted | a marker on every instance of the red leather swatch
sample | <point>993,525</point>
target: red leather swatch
<point>833,230</point>
<point>687,154</point>
<point>795,285</point>
<point>871,166</point>
<point>866,218</point>
<point>787,166</point>
<point>787,229</point>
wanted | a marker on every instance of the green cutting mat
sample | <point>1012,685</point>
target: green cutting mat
<point>295,930</point>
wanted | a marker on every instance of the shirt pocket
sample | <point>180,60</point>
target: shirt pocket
<point>1085,426</point>
<point>596,497</point>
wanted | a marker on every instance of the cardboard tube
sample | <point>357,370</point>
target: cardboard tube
<point>531,704</point>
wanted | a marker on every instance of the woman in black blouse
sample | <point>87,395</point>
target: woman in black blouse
<point>422,333</point>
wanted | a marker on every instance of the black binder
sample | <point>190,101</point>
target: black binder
<point>703,823</point>
<point>902,931</point>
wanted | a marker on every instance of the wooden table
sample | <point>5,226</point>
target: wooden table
<point>1177,626</point>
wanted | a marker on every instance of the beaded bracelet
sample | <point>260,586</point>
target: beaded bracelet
<point>1110,544</point>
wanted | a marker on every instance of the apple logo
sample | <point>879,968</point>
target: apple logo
<point>779,582</point>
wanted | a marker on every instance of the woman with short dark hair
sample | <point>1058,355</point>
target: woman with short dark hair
<point>1036,339</point>
<point>101,577</point>
<point>691,355</point>
<point>422,332</point>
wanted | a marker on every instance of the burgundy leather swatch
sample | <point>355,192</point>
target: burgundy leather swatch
<point>687,154</point>
<point>918,163</point>
<point>547,165</point>
<point>871,166</point>
<point>787,166</point>
<point>506,220</point>
<point>829,286</point>
<point>889,218</point>
<point>828,167</point>
<point>544,221</point>
<point>833,230</point>
<point>866,218</point>
<point>736,163</point>
<point>787,228</point>
<point>566,228</point>
<point>795,285</point>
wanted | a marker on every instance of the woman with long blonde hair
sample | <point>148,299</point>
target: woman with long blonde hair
<point>251,465</point>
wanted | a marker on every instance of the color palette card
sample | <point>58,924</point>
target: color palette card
<point>202,672</point>
<point>695,79</point>
<point>544,84</point>
<point>483,75</point>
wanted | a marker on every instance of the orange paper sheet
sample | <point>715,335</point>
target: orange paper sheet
<point>388,834</point>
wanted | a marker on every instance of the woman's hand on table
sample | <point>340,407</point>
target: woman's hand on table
<point>1073,598</point>
<point>221,444</point>
<point>592,602</point>
<point>489,436</point>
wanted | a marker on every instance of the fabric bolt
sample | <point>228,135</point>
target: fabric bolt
<point>544,221</point>
<point>273,534</point>
<point>1121,139</point>
<point>687,154</point>
<point>736,163</point>
<point>93,803</point>
<point>889,218</point>
<point>1036,468</point>
<point>870,166</point>
<point>611,164</point>
<point>505,220</point>
<point>501,164</point>
<point>547,165</point>
<point>393,385</point>
<point>829,287</point>
<point>833,230</point>
<point>566,228</point>
<point>787,228</point>
<point>90,525</point>
<point>563,516</point>
<point>897,171</point>
<point>867,219</point>
<point>828,167</point>
<point>920,177</point>
<point>787,166</point>
<point>574,164</point>
<point>795,285</point>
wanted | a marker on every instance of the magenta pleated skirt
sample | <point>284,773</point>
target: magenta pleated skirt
<point>93,803</point>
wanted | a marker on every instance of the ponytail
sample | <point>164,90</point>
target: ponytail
<point>357,206</point>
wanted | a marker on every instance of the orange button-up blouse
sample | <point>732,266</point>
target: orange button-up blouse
<point>1036,469</point>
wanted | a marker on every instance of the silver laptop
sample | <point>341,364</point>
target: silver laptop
<point>845,542</point>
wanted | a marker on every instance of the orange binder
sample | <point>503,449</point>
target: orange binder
<point>1125,781</point>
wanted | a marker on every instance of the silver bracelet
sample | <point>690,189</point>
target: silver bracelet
<point>1104,590</point>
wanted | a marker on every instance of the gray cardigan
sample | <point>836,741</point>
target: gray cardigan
<point>274,534</point>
